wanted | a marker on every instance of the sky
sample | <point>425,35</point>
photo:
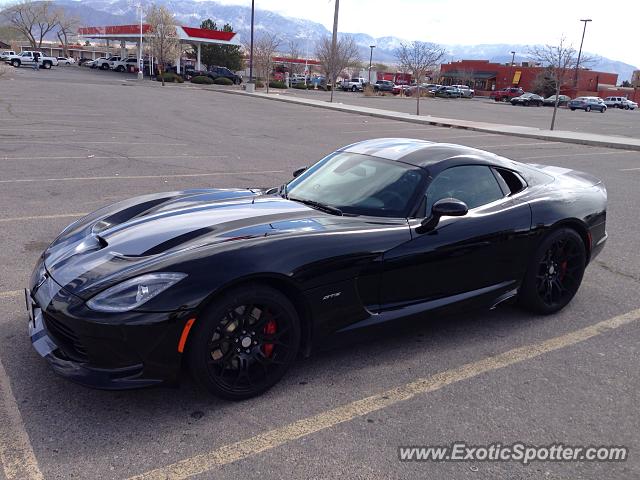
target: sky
<point>612,33</point>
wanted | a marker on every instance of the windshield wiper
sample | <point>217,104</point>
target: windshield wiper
<point>318,205</point>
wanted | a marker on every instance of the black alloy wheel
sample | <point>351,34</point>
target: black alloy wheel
<point>244,342</point>
<point>555,272</point>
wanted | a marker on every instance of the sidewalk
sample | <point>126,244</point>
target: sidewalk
<point>592,139</point>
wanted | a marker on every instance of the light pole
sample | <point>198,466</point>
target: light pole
<point>140,60</point>
<point>334,43</point>
<point>575,79</point>
<point>370,60</point>
<point>250,84</point>
<point>513,59</point>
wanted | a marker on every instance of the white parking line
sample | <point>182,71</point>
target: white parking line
<point>111,157</point>
<point>617,152</point>
<point>16,454</point>
<point>42,217</point>
<point>307,426</point>
<point>629,169</point>
<point>10,293</point>
<point>92,142</point>
<point>137,177</point>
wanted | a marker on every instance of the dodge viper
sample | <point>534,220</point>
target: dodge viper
<point>238,283</point>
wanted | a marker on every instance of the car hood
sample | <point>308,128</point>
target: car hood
<point>139,234</point>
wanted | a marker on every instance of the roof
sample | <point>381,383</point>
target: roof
<point>131,33</point>
<point>420,153</point>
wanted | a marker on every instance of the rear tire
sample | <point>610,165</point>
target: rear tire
<point>587,109</point>
<point>244,342</point>
<point>554,273</point>
<point>15,63</point>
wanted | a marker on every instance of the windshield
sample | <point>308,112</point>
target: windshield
<point>360,185</point>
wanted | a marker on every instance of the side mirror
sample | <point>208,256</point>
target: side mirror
<point>298,172</point>
<point>445,207</point>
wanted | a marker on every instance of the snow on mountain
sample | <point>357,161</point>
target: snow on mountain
<point>303,32</point>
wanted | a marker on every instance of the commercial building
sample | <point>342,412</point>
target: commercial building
<point>485,77</point>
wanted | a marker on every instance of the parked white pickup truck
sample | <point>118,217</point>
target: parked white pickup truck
<point>6,53</point>
<point>355,84</point>
<point>29,58</point>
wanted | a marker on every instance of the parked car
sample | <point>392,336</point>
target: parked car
<point>630,105</point>
<point>234,283</point>
<point>527,99</point>
<point>28,58</point>
<point>619,102</point>
<point>400,89</point>
<point>217,72</point>
<point>447,92</point>
<point>297,79</point>
<point>6,53</point>
<point>383,86</point>
<point>355,84</point>
<point>104,63</point>
<point>66,61</point>
<point>587,104</point>
<point>124,64</point>
<point>83,61</point>
<point>95,63</point>
<point>506,94</point>
<point>551,101</point>
<point>465,90</point>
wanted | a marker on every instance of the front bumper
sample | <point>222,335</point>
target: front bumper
<point>132,350</point>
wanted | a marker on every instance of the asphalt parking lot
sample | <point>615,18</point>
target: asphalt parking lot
<point>72,140</point>
<point>614,121</point>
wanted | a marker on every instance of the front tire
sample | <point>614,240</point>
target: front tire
<point>587,109</point>
<point>555,272</point>
<point>15,63</point>
<point>244,342</point>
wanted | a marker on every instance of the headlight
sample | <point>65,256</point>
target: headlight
<point>134,292</point>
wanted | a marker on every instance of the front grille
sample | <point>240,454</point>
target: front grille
<point>66,339</point>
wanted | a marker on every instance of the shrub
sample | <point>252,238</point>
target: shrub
<point>300,86</point>
<point>259,84</point>
<point>223,81</point>
<point>276,84</point>
<point>202,80</point>
<point>170,77</point>
<point>310,86</point>
<point>369,91</point>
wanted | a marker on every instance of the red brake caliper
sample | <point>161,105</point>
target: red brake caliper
<point>269,329</point>
<point>563,269</point>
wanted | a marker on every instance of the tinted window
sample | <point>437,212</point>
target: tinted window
<point>360,184</point>
<point>475,185</point>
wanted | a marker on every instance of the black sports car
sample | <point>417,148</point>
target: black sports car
<point>239,282</point>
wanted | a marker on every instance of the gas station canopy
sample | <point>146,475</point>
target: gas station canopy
<point>187,35</point>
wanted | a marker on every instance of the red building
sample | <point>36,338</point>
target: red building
<point>484,77</point>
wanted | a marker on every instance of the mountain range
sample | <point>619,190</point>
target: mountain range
<point>303,32</point>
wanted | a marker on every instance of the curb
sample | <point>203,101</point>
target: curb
<point>516,131</point>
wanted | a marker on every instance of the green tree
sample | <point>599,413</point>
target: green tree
<point>626,83</point>
<point>229,56</point>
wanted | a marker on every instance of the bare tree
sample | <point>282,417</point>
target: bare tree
<point>419,58</point>
<point>559,60</point>
<point>34,20</point>
<point>264,48</point>
<point>293,52</point>
<point>346,56</point>
<point>67,26</point>
<point>163,36</point>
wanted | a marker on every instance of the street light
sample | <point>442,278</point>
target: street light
<point>513,58</point>
<point>575,80</point>
<point>140,60</point>
<point>250,84</point>
<point>370,60</point>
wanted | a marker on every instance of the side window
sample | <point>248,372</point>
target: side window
<point>475,185</point>
<point>512,180</point>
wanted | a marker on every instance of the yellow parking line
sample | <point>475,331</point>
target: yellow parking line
<point>322,421</point>
<point>138,177</point>
<point>16,454</point>
<point>42,217</point>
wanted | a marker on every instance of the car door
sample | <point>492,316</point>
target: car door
<point>483,252</point>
